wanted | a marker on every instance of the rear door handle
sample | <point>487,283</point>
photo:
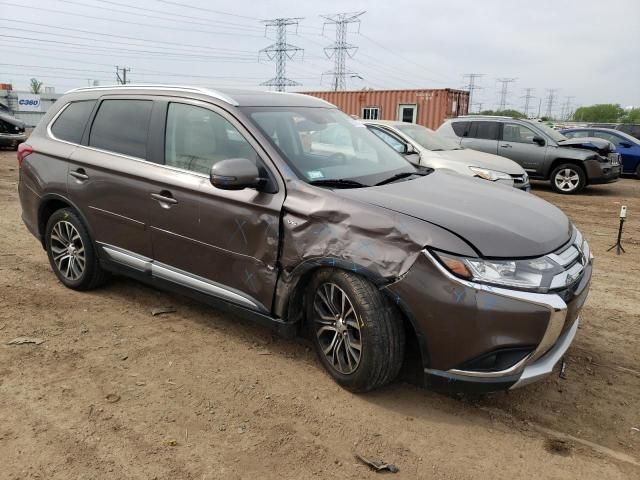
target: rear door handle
<point>506,145</point>
<point>164,198</point>
<point>79,174</point>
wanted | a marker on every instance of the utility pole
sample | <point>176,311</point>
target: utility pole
<point>527,100</point>
<point>340,49</point>
<point>472,87</point>
<point>122,80</point>
<point>280,51</point>
<point>504,91</point>
<point>551,98</point>
<point>566,108</point>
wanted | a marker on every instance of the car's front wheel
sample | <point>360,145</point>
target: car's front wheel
<point>568,178</point>
<point>358,336</point>
<point>71,252</point>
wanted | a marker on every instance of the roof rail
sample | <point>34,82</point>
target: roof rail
<point>143,86</point>
<point>476,115</point>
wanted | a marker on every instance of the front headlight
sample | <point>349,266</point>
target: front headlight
<point>491,175</point>
<point>530,274</point>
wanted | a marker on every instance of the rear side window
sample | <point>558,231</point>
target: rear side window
<point>122,126</point>
<point>484,130</point>
<point>461,129</point>
<point>70,124</point>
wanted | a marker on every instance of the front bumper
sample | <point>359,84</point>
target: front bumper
<point>458,322</point>
<point>602,172</point>
<point>12,140</point>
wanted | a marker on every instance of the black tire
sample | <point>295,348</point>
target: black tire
<point>381,331</point>
<point>568,179</point>
<point>92,275</point>
<point>638,171</point>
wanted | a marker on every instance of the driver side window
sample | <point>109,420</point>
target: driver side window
<point>197,138</point>
<point>512,132</point>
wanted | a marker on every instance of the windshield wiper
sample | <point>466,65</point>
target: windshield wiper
<point>337,182</point>
<point>399,176</point>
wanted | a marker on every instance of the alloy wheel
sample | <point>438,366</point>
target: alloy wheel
<point>337,328</point>
<point>567,179</point>
<point>67,250</point>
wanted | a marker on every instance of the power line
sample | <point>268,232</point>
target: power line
<point>551,97</point>
<point>120,21</point>
<point>527,100</point>
<point>472,86</point>
<point>504,91</point>
<point>219,12</point>
<point>281,51</point>
<point>340,49</point>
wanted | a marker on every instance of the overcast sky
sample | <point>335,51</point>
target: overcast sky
<point>587,49</point>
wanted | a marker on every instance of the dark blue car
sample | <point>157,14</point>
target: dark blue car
<point>627,146</point>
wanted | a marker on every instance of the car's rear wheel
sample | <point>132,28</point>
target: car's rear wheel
<point>358,336</point>
<point>71,252</point>
<point>568,178</point>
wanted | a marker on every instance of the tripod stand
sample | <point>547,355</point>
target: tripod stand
<point>618,245</point>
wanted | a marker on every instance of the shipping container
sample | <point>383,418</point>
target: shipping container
<point>428,107</point>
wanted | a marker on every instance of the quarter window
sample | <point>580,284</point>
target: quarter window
<point>389,139</point>
<point>512,132</point>
<point>197,138</point>
<point>484,130</point>
<point>122,126</point>
<point>371,113</point>
<point>70,124</point>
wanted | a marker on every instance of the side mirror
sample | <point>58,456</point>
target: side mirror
<point>235,174</point>
<point>625,145</point>
<point>539,140</point>
<point>408,149</point>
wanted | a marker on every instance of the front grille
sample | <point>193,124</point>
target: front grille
<point>518,179</point>
<point>573,260</point>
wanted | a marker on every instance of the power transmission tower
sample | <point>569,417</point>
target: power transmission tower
<point>472,87</point>
<point>566,108</point>
<point>122,80</point>
<point>527,100</point>
<point>504,91</point>
<point>551,98</point>
<point>340,49</point>
<point>280,51</point>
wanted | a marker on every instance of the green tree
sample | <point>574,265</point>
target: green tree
<point>36,86</point>
<point>503,113</point>
<point>604,112</point>
<point>631,116</point>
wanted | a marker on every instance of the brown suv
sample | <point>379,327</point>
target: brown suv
<point>229,197</point>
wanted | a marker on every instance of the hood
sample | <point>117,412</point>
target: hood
<point>498,221</point>
<point>474,158</point>
<point>11,120</point>
<point>603,147</point>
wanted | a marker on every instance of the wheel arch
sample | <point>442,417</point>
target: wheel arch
<point>50,204</point>
<point>290,305</point>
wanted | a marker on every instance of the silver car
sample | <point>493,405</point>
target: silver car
<point>423,146</point>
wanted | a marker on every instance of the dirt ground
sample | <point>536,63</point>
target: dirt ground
<point>114,392</point>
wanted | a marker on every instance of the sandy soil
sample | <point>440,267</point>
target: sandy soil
<point>114,392</point>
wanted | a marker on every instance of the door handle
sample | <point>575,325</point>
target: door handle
<point>164,198</point>
<point>79,174</point>
<point>506,145</point>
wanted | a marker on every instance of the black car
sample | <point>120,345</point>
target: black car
<point>12,131</point>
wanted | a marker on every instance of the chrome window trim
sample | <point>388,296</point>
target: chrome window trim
<point>109,152</point>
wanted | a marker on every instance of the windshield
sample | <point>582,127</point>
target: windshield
<point>427,138</point>
<point>554,134</point>
<point>324,144</point>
